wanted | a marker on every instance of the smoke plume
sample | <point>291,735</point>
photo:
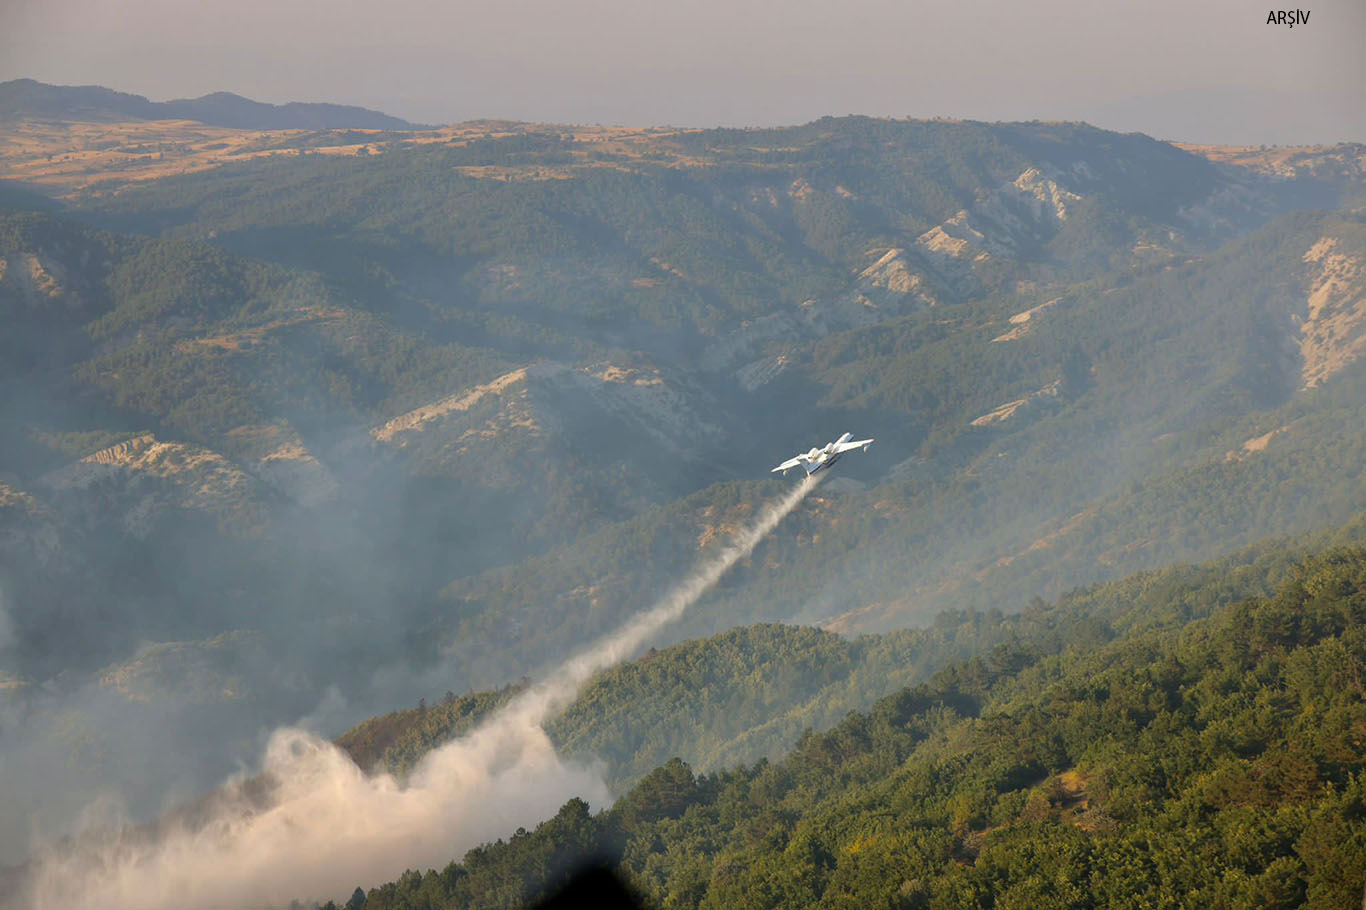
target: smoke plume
<point>313,825</point>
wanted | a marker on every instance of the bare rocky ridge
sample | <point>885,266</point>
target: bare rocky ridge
<point>181,475</point>
<point>1025,320</point>
<point>1254,445</point>
<point>1010,409</point>
<point>1011,216</point>
<point>416,419</point>
<point>1333,333</point>
<point>517,402</point>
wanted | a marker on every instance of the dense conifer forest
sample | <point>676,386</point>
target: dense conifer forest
<point>1162,741</point>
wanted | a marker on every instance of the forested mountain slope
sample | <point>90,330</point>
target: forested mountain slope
<point>749,693</point>
<point>1211,754</point>
<point>1123,453</point>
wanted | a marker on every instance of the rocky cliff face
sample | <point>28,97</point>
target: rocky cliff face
<point>1333,328</point>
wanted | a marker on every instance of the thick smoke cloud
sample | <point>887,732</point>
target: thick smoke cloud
<point>324,826</point>
<point>313,825</point>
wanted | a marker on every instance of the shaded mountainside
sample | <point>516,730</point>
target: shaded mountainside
<point>422,419</point>
<point>27,98</point>
<point>158,385</point>
<point>484,350</point>
<point>1211,753</point>
<point>1159,477</point>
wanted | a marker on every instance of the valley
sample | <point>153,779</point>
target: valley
<point>307,424</point>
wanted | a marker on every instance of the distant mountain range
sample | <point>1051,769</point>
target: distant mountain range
<point>28,98</point>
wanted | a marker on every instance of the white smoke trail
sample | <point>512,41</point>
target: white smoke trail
<point>541,701</point>
<point>321,826</point>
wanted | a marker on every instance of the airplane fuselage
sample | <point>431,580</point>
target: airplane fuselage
<point>823,460</point>
<point>819,459</point>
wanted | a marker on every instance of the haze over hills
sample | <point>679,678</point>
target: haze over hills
<point>379,416</point>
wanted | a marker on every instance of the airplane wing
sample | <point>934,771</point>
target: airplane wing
<point>850,446</point>
<point>787,465</point>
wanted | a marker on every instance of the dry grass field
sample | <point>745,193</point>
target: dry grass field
<point>68,158</point>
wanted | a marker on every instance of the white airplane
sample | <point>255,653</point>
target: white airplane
<point>818,459</point>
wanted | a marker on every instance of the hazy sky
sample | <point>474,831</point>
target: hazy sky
<point>1208,70</point>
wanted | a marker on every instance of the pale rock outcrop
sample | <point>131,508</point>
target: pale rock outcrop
<point>1005,412</point>
<point>1051,197</point>
<point>958,245</point>
<point>891,272</point>
<point>644,396</point>
<point>1024,321</point>
<point>1333,330</point>
<point>417,418</point>
<point>144,477</point>
<point>1001,413</point>
<point>35,280</point>
<point>1254,445</point>
<point>1022,210</point>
